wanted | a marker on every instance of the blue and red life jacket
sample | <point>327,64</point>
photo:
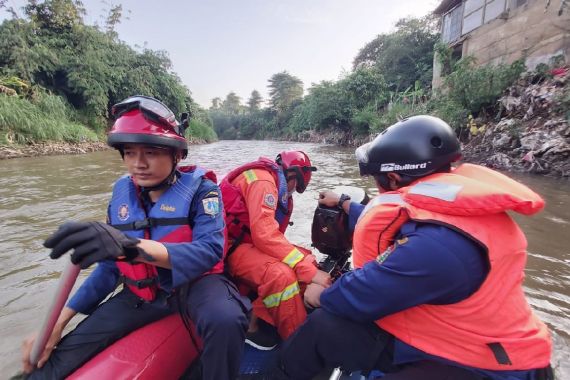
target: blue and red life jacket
<point>170,220</point>
<point>237,215</point>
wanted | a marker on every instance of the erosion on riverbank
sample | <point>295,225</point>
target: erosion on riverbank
<point>49,149</point>
<point>60,148</point>
<point>531,133</point>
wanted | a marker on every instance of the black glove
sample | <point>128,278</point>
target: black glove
<point>91,242</point>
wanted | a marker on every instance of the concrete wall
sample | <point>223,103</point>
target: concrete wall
<point>531,31</point>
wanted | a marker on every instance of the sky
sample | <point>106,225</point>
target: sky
<point>219,46</point>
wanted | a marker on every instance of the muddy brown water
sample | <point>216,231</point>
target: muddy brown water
<point>38,194</point>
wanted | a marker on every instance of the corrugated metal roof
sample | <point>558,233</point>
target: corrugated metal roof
<point>445,6</point>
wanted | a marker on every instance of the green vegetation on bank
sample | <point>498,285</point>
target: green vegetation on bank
<point>390,79</point>
<point>59,77</point>
<point>44,118</point>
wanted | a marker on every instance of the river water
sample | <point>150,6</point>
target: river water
<point>38,194</point>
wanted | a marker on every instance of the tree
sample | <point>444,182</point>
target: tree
<point>113,19</point>
<point>404,56</point>
<point>54,49</point>
<point>327,105</point>
<point>9,10</point>
<point>216,103</point>
<point>254,101</point>
<point>285,90</point>
<point>55,16</point>
<point>363,86</point>
<point>232,104</point>
<point>370,54</point>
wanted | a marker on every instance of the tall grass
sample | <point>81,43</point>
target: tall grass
<point>476,88</point>
<point>47,117</point>
<point>199,130</point>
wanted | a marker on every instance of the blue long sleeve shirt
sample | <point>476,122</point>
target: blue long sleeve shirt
<point>436,265</point>
<point>188,260</point>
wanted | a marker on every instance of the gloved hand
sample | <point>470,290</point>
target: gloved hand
<point>91,242</point>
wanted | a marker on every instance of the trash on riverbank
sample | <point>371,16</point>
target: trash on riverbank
<point>533,133</point>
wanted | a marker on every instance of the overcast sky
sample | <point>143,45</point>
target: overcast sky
<point>218,46</point>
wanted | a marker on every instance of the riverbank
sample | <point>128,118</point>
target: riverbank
<point>50,149</point>
<point>540,146</point>
<point>60,148</point>
<point>529,130</point>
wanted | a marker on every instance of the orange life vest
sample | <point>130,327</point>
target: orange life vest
<point>494,328</point>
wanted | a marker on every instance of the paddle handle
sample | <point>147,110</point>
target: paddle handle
<point>64,287</point>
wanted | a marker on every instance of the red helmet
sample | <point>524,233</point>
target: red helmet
<point>299,163</point>
<point>145,120</point>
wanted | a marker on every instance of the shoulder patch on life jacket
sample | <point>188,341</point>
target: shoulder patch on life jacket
<point>384,255</point>
<point>123,212</point>
<point>402,241</point>
<point>211,206</point>
<point>270,201</point>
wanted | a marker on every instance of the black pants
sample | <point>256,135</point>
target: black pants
<point>213,303</point>
<point>327,341</point>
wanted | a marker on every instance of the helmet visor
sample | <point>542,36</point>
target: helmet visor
<point>306,178</point>
<point>361,154</point>
<point>150,108</point>
<point>303,176</point>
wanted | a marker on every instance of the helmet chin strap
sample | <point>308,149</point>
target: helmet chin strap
<point>167,182</point>
<point>384,181</point>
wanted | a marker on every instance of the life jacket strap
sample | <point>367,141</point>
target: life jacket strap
<point>545,373</point>
<point>244,230</point>
<point>140,284</point>
<point>151,222</point>
<point>500,353</point>
<point>282,208</point>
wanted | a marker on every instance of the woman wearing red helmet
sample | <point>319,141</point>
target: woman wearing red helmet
<point>164,236</point>
<point>258,203</point>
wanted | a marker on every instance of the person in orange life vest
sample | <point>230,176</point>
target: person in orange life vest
<point>258,201</point>
<point>437,290</point>
<point>164,240</point>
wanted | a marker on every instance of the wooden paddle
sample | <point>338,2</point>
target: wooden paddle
<point>64,287</point>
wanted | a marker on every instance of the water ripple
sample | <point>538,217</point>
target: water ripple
<point>38,194</point>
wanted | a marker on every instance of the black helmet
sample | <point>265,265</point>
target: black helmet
<point>416,146</point>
